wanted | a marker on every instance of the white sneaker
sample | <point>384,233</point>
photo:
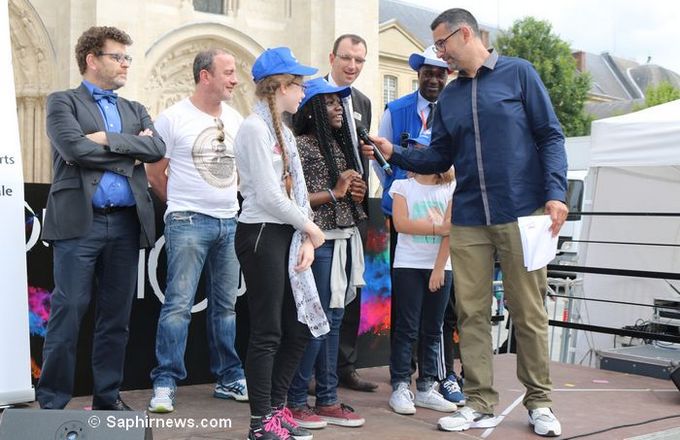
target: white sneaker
<point>544,422</point>
<point>466,418</point>
<point>401,400</point>
<point>432,399</point>
<point>163,400</point>
<point>237,390</point>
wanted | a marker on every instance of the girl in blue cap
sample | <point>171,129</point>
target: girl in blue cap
<point>336,191</point>
<point>275,241</point>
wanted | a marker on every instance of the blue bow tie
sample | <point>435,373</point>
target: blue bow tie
<point>98,95</point>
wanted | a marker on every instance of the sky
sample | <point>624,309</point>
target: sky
<point>627,28</point>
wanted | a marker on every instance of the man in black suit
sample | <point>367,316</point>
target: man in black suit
<point>347,59</point>
<point>99,213</point>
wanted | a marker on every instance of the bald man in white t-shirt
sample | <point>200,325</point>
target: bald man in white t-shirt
<point>198,181</point>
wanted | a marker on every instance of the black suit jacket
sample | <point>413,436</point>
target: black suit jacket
<point>79,163</point>
<point>362,116</point>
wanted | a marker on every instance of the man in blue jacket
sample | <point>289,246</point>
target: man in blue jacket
<point>495,123</point>
<point>407,118</point>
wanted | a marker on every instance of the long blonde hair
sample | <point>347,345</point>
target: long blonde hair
<point>265,89</point>
<point>441,178</point>
<point>446,177</point>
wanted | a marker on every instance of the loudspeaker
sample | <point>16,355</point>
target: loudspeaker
<point>675,377</point>
<point>43,424</point>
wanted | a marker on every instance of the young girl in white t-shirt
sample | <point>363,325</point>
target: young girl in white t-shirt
<point>421,284</point>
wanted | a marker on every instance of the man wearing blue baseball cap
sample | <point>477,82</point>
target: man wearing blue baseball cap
<point>411,115</point>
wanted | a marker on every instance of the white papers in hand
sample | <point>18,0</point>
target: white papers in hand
<point>538,244</point>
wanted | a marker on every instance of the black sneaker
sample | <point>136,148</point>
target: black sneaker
<point>267,428</point>
<point>289,424</point>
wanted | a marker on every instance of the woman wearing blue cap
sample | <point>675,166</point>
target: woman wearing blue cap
<point>336,191</point>
<point>275,241</point>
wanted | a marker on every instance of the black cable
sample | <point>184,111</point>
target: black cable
<point>626,303</point>
<point>629,425</point>
<point>627,243</point>
<point>629,214</point>
<point>617,272</point>
<point>616,331</point>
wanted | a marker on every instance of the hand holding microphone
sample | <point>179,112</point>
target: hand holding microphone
<point>377,154</point>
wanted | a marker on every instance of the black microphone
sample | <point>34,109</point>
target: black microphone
<point>363,135</point>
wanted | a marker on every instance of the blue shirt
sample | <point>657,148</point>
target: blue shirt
<point>501,133</point>
<point>113,189</point>
<point>407,114</point>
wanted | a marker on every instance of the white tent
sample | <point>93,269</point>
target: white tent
<point>649,137</point>
<point>634,167</point>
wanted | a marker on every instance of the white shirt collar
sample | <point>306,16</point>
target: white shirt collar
<point>422,103</point>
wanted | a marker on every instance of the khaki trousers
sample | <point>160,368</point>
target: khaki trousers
<point>472,254</point>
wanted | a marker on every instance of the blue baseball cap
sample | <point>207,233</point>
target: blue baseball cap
<point>422,139</point>
<point>319,86</point>
<point>429,57</point>
<point>277,61</point>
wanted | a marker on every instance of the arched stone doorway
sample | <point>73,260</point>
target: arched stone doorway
<point>171,58</point>
<point>33,59</point>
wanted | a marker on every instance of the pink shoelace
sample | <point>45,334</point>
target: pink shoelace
<point>273,425</point>
<point>287,416</point>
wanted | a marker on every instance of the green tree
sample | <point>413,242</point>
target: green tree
<point>534,41</point>
<point>660,94</point>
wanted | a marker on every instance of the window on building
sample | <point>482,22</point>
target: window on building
<point>211,6</point>
<point>390,91</point>
<point>414,85</point>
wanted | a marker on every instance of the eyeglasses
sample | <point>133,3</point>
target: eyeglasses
<point>301,85</point>
<point>118,57</point>
<point>349,58</point>
<point>439,44</point>
<point>220,130</point>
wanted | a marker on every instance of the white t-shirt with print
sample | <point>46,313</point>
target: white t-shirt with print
<point>420,251</point>
<point>202,170</point>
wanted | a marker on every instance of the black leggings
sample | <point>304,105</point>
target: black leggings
<point>277,339</point>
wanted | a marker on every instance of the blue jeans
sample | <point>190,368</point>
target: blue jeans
<point>321,356</point>
<point>194,241</point>
<point>419,317</point>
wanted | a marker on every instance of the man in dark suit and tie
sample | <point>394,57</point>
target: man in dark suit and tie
<point>347,59</point>
<point>99,213</point>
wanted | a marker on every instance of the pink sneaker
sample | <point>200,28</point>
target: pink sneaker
<point>305,417</point>
<point>340,414</point>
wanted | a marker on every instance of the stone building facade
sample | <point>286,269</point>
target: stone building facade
<point>167,34</point>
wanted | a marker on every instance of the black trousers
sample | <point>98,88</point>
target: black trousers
<point>450,324</point>
<point>450,319</point>
<point>107,254</point>
<point>277,339</point>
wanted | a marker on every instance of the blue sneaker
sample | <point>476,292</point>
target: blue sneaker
<point>451,391</point>
<point>237,390</point>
